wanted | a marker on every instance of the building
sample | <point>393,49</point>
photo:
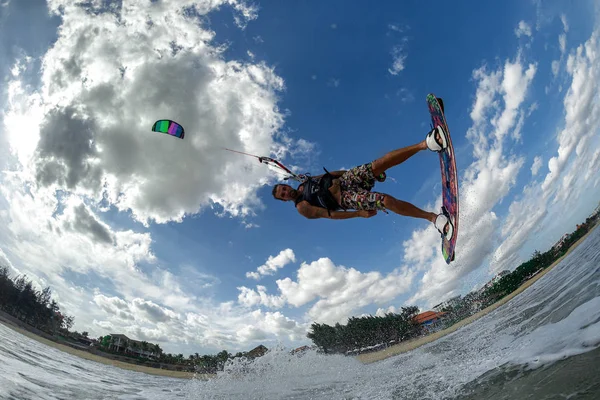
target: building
<point>122,344</point>
<point>561,241</point>
<point>258,351</point>
<point>300,350</point>
<point>450,303</point>
<point>430,321</point>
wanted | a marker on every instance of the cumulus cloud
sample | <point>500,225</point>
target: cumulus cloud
<point>523,29</point>
<point>398,58</point>
<point>563,19</point>
<point>555,67</point>
<point>221,325</point>
<point>562,43</point>
<point>524,217</point>
<point>106,80</point>
<point>581,120</point>
<point>250,297</point>
<point>537,164</point>
<point>398,51</point>
<point>564,183</point>
<point>81,144</point>
<point>270,323</point>
<point>273,264</point>
<point>337,291</point>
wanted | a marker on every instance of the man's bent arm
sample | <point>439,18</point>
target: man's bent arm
<point>344,214</point>
<point>312,212</point>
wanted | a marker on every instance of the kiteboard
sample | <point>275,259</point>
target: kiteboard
<point>449,176</point>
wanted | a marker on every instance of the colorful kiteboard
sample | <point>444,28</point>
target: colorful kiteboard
<point>449,176</point>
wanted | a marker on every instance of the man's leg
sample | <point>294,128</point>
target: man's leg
<point>407,209</point>
<point>365,200</point>
<point>398,156</point>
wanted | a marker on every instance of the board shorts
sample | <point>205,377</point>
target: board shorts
<point>356,185</point>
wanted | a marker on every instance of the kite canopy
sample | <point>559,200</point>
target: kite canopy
<point>169,127</point>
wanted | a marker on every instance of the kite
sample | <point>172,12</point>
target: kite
<point>169,127</point>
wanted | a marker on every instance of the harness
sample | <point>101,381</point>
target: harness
<point>316,192</point>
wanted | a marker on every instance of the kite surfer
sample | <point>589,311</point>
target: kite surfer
<point>325,196</point>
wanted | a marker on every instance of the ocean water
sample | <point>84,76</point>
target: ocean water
<point>543,344</point>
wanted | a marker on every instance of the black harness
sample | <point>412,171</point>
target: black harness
<point>316,192</point>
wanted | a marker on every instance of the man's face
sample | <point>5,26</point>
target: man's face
<point>286,192</point>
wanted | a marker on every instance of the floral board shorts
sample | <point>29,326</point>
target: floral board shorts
<point>356,185</point>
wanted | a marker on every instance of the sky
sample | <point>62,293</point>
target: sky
<point>180,243</point>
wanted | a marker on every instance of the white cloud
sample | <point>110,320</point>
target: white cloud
<point>273,264</point>
<point>333,82</point>
<point>582,120</point>
<point>405,95</point>
<point>537,164</point>
<point>565,178</point>
<point>562,42</point>
<point>524,217</point>
<point>4,261</point>
<point>381,312</point>
<point>398,51</point>
<point>514,87</point>
<point>84,146</point>
<point>337,292</point>
<point>271,323</point>
<point>215,326</point>
<point>523,29</point>
<point>341,291</point>
<point>563,19</point>
<point>400,28</point>
<point>555,67</point>
<point>251,298</point>
<point>398,59</point>
<point>90,120</point>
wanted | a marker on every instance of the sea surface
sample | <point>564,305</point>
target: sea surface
<point>543,344</point>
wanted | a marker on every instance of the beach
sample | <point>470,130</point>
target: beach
<point>409,345</point>
<point>103,360</point>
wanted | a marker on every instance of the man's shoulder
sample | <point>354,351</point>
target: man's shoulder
<point>305,208</point>
<point>302,204</point>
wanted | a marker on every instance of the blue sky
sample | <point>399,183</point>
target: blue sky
<point>180,242</point>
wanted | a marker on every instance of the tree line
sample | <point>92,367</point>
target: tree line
<point>365,331</point>
<point>20,299</point>
<point>538,262</point>
<point>208,363</point>
<point>369,331</point>
<point>23,301</point>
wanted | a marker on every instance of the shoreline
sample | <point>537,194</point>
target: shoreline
<point>368,358</point>
<point>365,358</point>
<point>103,360</point>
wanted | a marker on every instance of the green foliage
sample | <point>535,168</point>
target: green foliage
<point>20,299</point>
<point>538,262</point>
<point>365,331</point>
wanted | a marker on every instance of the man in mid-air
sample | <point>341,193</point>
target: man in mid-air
<point>324,196</point>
